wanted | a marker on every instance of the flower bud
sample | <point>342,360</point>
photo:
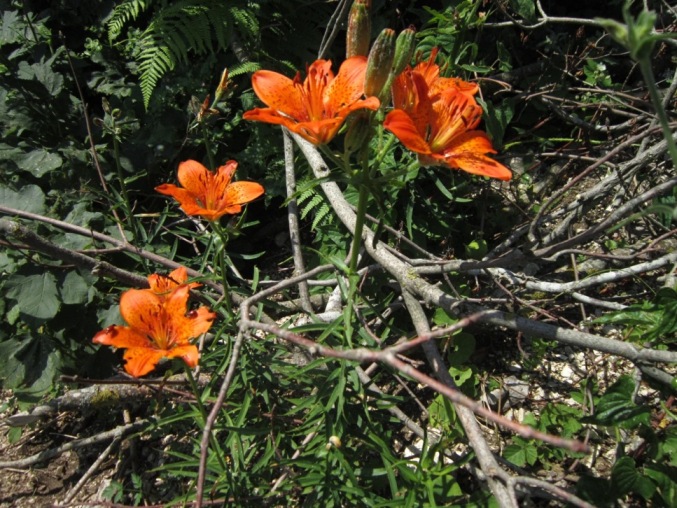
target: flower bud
<point>404,49</point>
<point>358,133</point>
<point>359,30</point>
<point>380,62</point>
<point>222,89</point>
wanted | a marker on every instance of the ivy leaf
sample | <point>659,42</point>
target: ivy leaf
<point>29,198</point>
<point>36,295</point>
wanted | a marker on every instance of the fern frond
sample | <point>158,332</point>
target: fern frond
<point>313,202</point>
<point>311,205</point>
<point>181,30</point>
<point>243,68</point>
<point>322,216</point>
<point>122,14</point>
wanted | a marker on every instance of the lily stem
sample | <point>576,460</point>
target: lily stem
<point>221,260</point>
<point>208,146</point>
<point>204,413</point>
<point>359,224</point>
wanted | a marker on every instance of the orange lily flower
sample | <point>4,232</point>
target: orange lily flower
<point>159,327</point>
<point>210,195</point>
<point>436,84</point>
<point>316,108</point>
<point>163,285</point>
<point>440,127</point>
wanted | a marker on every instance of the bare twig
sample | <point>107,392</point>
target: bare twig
<point>293,218</point>
<point>117,433</point>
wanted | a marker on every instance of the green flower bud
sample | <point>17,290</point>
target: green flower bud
<point>358,133</point>
<point>404,49</point>
<point>359,30</point>
<point>380,62</point>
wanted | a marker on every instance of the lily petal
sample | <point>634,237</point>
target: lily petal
<point>401,124</point>
<point>121,337</point>
<point>193,176</point>
<point>141,309</point>
<point>278,92</point>
<point>239,193</point>
<point>317,108</point>
<point>140,361</point>
<point>467,151</point>
<point>348,86</point>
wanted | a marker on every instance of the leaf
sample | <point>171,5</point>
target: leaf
<point>521,453</point>
<point>39,162</point>
<point>36,295</point>
<point>524,8</point>
<point>616,407</point>
<point>443,318</point>
<point>464,347</point>
<point>625,478</point>
<point>9,31</point>
<point>665,478</point>
<point>42,72</point>
<point>29,199</point>
<point>74,289</point>
<point>460,376</point>
<point>30,362</point>
<point>595,490</point>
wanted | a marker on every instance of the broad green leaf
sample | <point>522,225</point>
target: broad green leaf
<point>39,162</point>
<point>36,295</point>
<point>9,30</point>
<point>30,363</point>
<point>525,8</point>
<point>521,453</point>
<point>29,198</point>
<point>74,289</point>
<point>616,407</point>
<point>443,318</point>
<point>665,478</point>
<point>442,413</point>
<point>595,490</point>
<point>626,479</point>
<point>460,375</point>
<point>42,72</point>
<point>463,348</point>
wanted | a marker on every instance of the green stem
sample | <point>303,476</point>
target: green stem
<point>208,147</point>
<point>647,72</point>
<point>221,260</point>
<point>203,412</point>
<point>359,224</point>
<point>196,392</point>
<point>126,203</point>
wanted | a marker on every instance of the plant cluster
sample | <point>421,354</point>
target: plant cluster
<point>442,274</point>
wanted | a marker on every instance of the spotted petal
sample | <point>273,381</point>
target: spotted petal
<point>279,93</point>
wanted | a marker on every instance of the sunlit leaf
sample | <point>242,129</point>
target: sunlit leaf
<point>29,198</point>
<point>36,295</point>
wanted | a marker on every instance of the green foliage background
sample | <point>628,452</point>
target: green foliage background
<point>117,85</point>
